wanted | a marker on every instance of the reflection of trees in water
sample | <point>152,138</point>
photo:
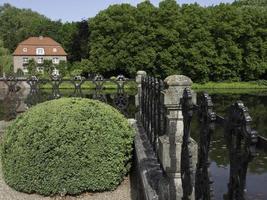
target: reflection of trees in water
<point>257,109</point>
<point>33,98</point>
<point>122,101</point>
<point>11,103</point>
<point>238,151</point>
<point>220,154</point>
<point>99,95</point>
<point>256,104</point>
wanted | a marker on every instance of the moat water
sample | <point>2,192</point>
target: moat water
<point>256,101</point>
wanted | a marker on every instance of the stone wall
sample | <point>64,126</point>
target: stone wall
<point>147,167</point>
<point>160,172</point>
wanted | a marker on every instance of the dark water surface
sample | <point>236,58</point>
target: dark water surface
<point>255,100</point>
<point>15,103</point>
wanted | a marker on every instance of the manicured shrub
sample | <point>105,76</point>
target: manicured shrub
<point>67,146</point>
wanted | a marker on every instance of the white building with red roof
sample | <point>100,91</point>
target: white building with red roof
<point>39,49</point>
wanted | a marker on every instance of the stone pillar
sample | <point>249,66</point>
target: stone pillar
<point>139,76</point>
<point>170,144</point>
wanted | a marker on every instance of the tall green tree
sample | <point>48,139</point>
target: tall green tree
<point>112,37</point>
<point>19,24</point>
<point>79,44</point>
<point>6,63</point>
<point>250,2</point>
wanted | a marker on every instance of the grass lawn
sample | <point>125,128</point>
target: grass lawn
<point>90,85</point>
<point>197,86</point>
<point>231,85</point>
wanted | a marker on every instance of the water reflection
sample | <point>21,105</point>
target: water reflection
<point>13,103</point>
<point>219,154</point>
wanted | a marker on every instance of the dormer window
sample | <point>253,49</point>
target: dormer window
<point>40,51</point>
<point>24,49</point>
<point>54,50</point>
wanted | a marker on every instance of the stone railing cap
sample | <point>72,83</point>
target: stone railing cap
<point>178,80</point>
<point>141,73</point>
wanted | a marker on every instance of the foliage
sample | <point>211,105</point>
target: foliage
<point>216,43</point>
<point>62,67</point>
<point>18,24</point>
<point>32,67</point>
<point>67,146</point>
<point>78,48</point>
<point>250,2</point>
<point>76,72</point>
<point>5,60</point>
<point>223,42</point>
<point>67,33</point>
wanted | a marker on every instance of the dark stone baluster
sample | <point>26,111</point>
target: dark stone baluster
<point>186,157</point>
<point>151,114</point>
<point>207,119</point>
<point>156,114</point>
<point>99,82</point>
<point>241,142</point>
<point>162,114</point>
<point>77,82</point>
<point>56,81</point>
<point>33,82</point>
<point>142,99</point>
<point>11,83</point>
<point>120,81</point>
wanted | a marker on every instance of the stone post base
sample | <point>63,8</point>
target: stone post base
<point>170,186</point>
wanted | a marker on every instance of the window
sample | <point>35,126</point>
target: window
<point>40,60</point>
<point>24,67</point>
<point>55,60</point>
<point>24,49</point>
<point>40,69</point>
<point>40,51</point>
<point>54,50</point>
<point>55,72</point>
<point>25,60</point>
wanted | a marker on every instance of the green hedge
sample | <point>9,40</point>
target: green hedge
<point>67,146</point>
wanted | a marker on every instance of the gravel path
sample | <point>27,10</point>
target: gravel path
<point>123,192</point>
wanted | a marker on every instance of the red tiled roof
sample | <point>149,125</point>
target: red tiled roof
<point>31,44</point>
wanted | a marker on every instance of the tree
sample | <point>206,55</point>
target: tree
<point>32,67</point>
<point>62,67</point>
<point>6,65</point>
<point>67,33</point>
<point>47,66</point>
<point>79,45</point>
<point>112,40</point>
<point>250,2</point>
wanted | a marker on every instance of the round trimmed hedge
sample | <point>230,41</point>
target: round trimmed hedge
<point>67,146</point>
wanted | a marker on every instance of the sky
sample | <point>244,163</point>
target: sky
<point>76,10</point>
